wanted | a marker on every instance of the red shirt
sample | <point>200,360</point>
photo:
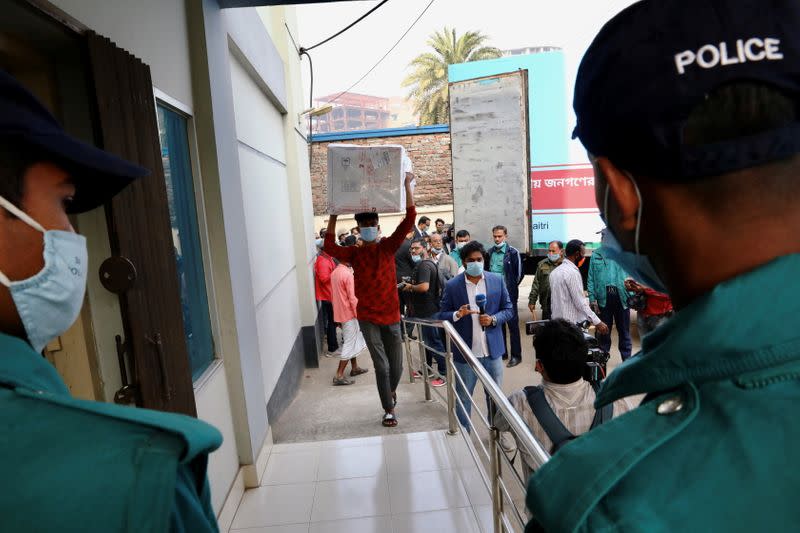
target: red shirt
<point>323,267</point>
<point>658,303</point>
<point>374,272</point>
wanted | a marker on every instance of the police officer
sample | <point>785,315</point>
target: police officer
<point>689,110</point>
<point>69,464</point>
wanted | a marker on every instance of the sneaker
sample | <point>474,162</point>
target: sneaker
<point>417,374</point>
<point>438,382</point>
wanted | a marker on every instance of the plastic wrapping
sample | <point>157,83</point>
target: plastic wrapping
<point>367,178</point>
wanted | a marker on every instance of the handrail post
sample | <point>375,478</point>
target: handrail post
<point>405,334</point>
<point>423,361</point>
<point>451,387</point>
<point>497,496</point>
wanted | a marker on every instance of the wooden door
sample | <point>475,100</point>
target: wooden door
<point>139,230</point>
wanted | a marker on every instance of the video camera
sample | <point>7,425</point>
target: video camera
<point>596,357</point>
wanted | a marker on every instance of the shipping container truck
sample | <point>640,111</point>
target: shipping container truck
<point>558,202</point>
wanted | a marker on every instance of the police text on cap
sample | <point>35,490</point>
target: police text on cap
<point>711,56</point>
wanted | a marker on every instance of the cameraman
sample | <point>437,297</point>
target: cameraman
<point>561,356</point>
<point>425,289</point>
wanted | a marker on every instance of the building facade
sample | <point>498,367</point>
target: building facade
<point>201,301</point>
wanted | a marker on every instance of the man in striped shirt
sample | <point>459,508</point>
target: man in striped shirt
<point>567,299</point>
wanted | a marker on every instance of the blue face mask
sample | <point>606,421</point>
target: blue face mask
<point>416,258</point>
<point>49,302</point>
<point>554,257</point>
<point>501,247</point>
<point>474,269</point>
<point>637,265</point>
<point>369,234</point>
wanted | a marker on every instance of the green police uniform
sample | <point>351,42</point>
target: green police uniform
<point>540,289</point>
<point>713,445</point>
<point>76,465</point>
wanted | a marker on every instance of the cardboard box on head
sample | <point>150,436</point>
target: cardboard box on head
<point>367,178</point>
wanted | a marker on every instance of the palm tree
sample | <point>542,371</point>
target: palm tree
<point>428,81</point>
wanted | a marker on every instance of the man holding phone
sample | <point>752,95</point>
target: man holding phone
<point>481,329</point>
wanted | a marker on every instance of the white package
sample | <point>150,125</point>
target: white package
<point>367,178</point>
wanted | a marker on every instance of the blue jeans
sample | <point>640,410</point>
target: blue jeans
<point>495,369</point>
<point>433,339</point>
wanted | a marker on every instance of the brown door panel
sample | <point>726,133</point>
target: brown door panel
<point>140,230</point>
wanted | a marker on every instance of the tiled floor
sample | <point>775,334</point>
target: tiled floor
<point>412,483</point>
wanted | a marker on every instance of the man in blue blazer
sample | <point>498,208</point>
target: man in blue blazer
<point>483,332</point>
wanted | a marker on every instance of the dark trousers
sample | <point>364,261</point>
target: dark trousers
<point>385,345</point>
<point>611,313</point>
<point>511,329</point>
<point>329,325</point>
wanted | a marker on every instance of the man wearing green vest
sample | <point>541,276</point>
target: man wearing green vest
<point>689,111</point>
<point>69,464</point>
<point>540,288</point>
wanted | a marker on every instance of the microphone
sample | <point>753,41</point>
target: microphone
<point>480,301</point>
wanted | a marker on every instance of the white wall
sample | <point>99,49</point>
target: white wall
<point>155,31</point>
<point>214,407</point>
<point>268,220</point>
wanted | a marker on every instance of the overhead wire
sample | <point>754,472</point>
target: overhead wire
<point>386,54</point>
<point>304,52</point>
<point>338,33</point>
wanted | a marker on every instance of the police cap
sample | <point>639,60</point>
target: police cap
<point>652,64</point>
<point>98,175</point>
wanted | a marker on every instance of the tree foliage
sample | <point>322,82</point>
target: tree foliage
<point>428,80</point>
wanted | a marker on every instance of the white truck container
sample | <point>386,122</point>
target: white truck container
<point>490,155</point>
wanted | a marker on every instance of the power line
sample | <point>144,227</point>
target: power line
<point>359,19</point>
<point>384,55</point>
<point>292,37</point>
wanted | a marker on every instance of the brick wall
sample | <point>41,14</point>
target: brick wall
<point>430,154</point>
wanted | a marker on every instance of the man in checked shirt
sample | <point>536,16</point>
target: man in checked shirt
<point>376,289</point>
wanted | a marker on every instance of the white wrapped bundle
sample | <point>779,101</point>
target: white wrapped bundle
<point>366,178</point>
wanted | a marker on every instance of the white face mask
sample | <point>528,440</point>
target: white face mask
<point>49,302</point>
<point>637,265</point>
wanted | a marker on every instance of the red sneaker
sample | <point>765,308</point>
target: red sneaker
<point>438,382</point>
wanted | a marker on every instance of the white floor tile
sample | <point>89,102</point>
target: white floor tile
<point>424,435</point>
<point>476,489</point>
<point>448,521</point>
<point>426,491</point>
<point>292,447</point>
<point>351,498</point>
<point>372,524</point>
<point>353,462</point>
<point>275,505</point>
<point>422,455</point>
<point>291,468</point>
<point>291,528</point>
<point>350,443</point>
<point>461,454</point>
<point>485,517</point>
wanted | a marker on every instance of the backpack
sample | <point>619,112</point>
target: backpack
<point>558,434</point>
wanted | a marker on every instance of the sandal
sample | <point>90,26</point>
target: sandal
<point>341,381</point>
<point>389,420</point>
<point>354,373</point>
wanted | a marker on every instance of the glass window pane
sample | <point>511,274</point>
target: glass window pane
<point>186,238</point>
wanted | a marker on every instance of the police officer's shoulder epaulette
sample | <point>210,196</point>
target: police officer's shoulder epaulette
<point>599,459</point>
<point>197,436</point>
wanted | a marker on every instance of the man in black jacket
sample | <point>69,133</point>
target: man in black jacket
<point>505,260</point>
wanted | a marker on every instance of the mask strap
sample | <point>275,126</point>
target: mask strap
<point>17,212</point>
<point>4,280</point>
<point>638,211</point>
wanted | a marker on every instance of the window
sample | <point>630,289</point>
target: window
<point>172,132</point>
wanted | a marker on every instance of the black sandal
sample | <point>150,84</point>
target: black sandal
<point>389,420</point>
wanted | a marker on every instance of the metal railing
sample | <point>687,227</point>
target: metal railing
<point>503,476</point>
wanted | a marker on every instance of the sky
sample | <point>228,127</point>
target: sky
<point>570,24</point>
